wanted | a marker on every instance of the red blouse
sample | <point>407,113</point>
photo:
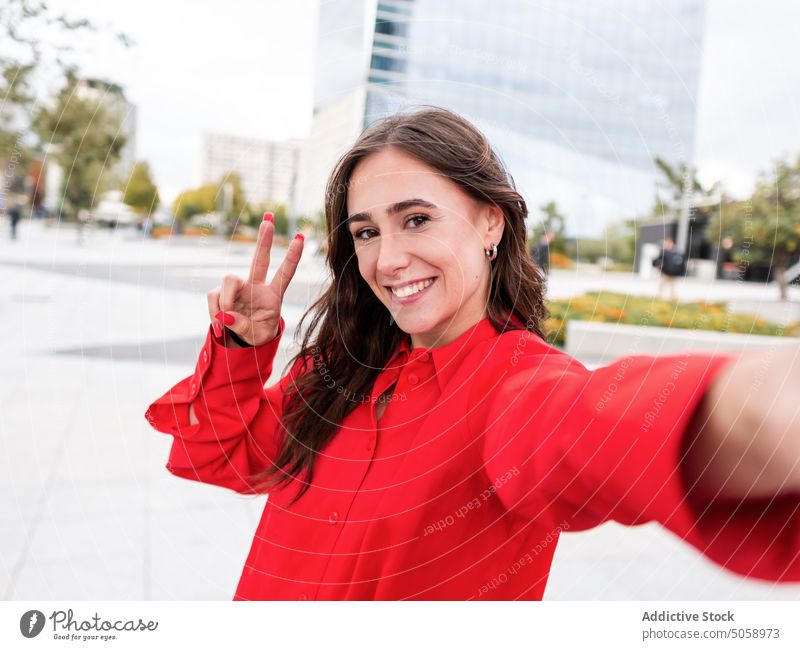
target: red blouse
<point>489,448</point>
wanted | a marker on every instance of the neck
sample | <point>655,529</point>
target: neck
<point>438,339</point>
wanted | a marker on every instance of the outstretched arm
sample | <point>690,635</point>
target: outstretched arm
<point>744,440</point>
<point>612,445</point>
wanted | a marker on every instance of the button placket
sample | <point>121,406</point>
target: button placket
<point>201,370</point>
<point>418,368</point>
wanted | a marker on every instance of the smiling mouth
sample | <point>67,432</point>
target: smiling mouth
<point>412,289</point>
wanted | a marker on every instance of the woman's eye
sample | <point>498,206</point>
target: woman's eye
<point>366,233</point>
<point>417,217</point>
<point>360,233</point>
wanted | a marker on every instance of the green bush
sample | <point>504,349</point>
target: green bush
<point>607,307</point>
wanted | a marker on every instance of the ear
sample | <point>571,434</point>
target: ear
<point>496,222</point>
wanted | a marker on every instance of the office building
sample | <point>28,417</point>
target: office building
<point>267,169</point>
<point>578,98</point>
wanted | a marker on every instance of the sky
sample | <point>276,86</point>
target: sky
<point>246,68</point>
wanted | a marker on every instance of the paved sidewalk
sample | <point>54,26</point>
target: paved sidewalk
<point>91,334</point>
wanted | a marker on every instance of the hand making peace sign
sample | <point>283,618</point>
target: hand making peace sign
<point>252,308</point>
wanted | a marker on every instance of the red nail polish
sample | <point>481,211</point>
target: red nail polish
<point>268,216</point>
<point>226,319</point>
<point>299,236</point>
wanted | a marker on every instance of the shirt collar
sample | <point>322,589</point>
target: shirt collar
<point>446,357</point>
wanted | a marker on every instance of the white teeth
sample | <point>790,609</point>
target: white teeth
<point>411,289</point>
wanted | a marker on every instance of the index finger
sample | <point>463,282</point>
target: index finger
<point>260,264</point>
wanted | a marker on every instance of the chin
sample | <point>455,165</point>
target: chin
<point>417,324</point>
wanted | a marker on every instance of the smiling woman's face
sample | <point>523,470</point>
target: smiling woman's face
<point>420,240</point>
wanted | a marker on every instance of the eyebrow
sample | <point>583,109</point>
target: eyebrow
<point>395,208</point>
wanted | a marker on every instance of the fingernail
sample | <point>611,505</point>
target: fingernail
<point>299,236</point>
<point>217,329</point>
<point>226,319</point>
<point>268,216</point>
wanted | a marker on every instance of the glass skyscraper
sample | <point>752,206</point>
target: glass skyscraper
<point>577,97</point>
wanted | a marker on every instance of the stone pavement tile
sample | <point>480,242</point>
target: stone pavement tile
<point>67,537</point>
<point>198,554</point>
<point>13,542</point>
<point>94,497</point>
<point>646,563</point>
<point>25,466</point>
<point>101,461</point>
<point>169,493</point>
<point>55,244</point>
<point>587,580</point>
<point>121,576</point>
<point>255,508</point>
<point>618,579</point>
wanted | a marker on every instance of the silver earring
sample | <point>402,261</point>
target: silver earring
<point>491,252</point>
<point>391,320</point>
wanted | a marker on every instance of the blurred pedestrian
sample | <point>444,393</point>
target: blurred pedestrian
<point>83,222</point>
<point>15,215</point>
<point>147,226</point>
<point>540,253</point>
<point>672,265</point>
<point>723,256</point>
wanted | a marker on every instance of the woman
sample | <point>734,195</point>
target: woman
<point>426,443</point>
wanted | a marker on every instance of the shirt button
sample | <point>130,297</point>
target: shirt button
<point>334,517</point>
<point>302,597</point>
<point>205,356</point>
<point>193,386</point>
<point>413,380</point>
<point>425,356</point>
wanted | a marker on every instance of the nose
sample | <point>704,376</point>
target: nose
<point>393,255</point>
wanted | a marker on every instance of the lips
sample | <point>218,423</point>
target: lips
<point>411,288</point>
<point>411,291</point>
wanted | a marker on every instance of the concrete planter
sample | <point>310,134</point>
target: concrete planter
<point>604,342</point>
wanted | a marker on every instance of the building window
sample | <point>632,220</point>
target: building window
<point>387,63</point>
<point>391,27</point>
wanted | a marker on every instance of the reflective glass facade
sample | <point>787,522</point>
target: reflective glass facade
<point>578,97</point>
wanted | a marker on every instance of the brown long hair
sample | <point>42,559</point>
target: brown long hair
<point>353,337</point>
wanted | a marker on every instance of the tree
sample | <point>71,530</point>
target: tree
<point>676,177</point>
<point>84,138</point>
<point>669,196</point>
<point>617,243</point>
<point>230,199</point>
<point>255,213</point>
<point>212,197</point>
<point>35,40</point>
<point>200,200</point>
<point>22,24</point>
<point>766,227</point>
<point>140,191</point>
<point>552,221</point>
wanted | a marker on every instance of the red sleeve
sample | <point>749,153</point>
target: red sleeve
<point>595,446</point>
<point>238,432</point>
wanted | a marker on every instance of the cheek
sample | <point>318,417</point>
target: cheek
<point>366,263</point>
<point>462,265</point>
